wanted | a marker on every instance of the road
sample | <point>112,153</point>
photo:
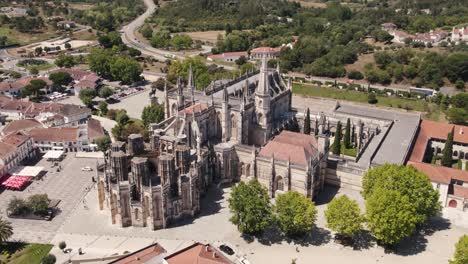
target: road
<point>131,40</point>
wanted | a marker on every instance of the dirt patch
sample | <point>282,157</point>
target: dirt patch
<point>209,37</point>
<point>314,4</point>
<point>81,6</point>
<point>359,64</point>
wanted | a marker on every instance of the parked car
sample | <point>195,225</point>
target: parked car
<point>226,249</point>
<point>87,168</point>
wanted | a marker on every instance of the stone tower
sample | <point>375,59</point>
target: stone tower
<point>262,98</point>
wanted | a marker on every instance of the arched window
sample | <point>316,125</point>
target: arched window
<point>453,204</point>
<point>279,183</point>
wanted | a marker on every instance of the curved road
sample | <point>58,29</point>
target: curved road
<point>130,39</point>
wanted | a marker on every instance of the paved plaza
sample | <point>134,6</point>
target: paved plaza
<point>90,229</point>
<point>69,186</point>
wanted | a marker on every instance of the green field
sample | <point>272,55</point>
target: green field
<point>23,253</point>
<point>16,37</point>
<point>361,97</point>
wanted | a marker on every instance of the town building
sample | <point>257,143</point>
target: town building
<point>68,139</point>
<point>155,254</point>
<point>14,88</point>
<point>50,113</point>
<point>451,183</point>
<point>82,79</point>
<point>388,26</point>
<point>225,134</point>
<point>459,34</point>
<point>15,149</point>
<point>228,56</point>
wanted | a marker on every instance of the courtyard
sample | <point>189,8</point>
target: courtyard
<point>91,229</point>
<point>69,186</point>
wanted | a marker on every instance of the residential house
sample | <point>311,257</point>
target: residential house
<point>66,24</point>
<point>228,56</point>
<point>459,34</point>
<point>14,88</point>
<point>50,113</point>
<point>388,26</point>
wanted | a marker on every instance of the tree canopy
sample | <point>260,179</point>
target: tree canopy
<point>250,207</point>
<point>409,182</point>
<point>344,216</point>
<point>295,214</point>
<point>461,251</point>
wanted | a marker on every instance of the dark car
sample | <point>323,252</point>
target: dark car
<point>226,249</point>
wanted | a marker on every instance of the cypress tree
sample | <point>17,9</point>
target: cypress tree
<point>347,135</point>
<point>448,150</point>
<point>337,143</point>
<point>307,123</point>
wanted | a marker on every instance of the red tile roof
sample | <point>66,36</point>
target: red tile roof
<point>298,148</point>
<point>439,173</point>
<point>6,150</point>
<point>196,108</point>
<point>197,254</point>
<point>142,256</point>
<point>264,50</point>
<point>460,191</point>
<point>95,129</point>
<point>65,134</point>
<point>434,130</point>
<point>20,83</point>
<point>15,140</point>
<point>21,125</point>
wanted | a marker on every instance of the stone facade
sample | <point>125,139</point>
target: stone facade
<point>212,136</point>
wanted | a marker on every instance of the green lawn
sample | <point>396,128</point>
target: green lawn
<point>23,253</point>
<point>41,67</point>
<point>352,152</point>
<point>361,97</point>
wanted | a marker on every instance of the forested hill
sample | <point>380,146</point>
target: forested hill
<point>215,14</point>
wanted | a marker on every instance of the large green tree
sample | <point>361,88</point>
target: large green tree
<point>461,251</point>
<point>250,207</point>
<point>152,114</point>
<point>295,214</point>
<point>60,78</point>
<point>307,128</point>
<point>126,70</point>
<point>448,151</point>
<point>336,148</point>
<point>390,216</point>
<point>408,182</point>
<point>344,216</point>
<point>6,230</point>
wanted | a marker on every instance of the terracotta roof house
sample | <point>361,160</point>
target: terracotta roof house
<point>15,87</point>
<point>389,26</point>
<point>151,254</point>
<point>197,253</point>
<point>451,183</point>
<point>16,109</point>
<point>21,125</point>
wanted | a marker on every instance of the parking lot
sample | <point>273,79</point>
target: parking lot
<point>69,185</point>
